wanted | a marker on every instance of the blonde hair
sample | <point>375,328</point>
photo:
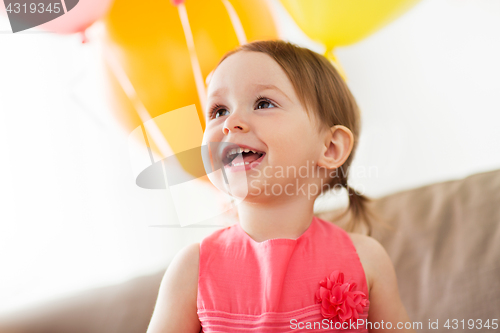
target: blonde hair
<point>320,87</point>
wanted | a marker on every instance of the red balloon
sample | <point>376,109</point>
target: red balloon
<point>78,18</point>
<point>177,2</point>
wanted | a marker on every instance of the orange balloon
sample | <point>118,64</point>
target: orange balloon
<point>152,69</point>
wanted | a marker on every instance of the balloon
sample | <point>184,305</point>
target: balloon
<point>343,22</point>
<point>79,17</point>
<point>159,54</point>
<point>339,22</point>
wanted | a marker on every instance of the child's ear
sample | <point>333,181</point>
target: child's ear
<point>337,147</point>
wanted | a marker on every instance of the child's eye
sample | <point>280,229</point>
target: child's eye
<point>214,111</point>
<point>265,101</point>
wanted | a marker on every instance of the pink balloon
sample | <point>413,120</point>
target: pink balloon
<point>79,18</point>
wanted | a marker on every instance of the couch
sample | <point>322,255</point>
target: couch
<point>443,239</point>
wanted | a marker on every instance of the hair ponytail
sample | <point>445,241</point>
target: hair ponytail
<point>361,214</point>
<point>357,204</point>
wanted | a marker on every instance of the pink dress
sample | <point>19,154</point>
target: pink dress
<point>308,284</point>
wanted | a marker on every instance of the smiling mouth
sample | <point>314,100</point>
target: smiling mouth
<point>249,156</point>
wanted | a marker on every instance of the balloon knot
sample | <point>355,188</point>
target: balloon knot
<point>176,2</point>
<point>83,36</point>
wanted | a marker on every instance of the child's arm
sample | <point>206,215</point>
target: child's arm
<point>385,301</point>
<point>176,309</point>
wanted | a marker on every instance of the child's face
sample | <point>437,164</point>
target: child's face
<point>269,120</point>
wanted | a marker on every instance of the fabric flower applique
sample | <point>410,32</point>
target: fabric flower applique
<point>340,301</point>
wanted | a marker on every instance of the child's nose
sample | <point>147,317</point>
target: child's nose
<point>234,123</point>
<point>236,128</point>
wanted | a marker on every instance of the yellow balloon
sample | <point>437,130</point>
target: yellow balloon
<point>158,55</point>
<point>330,56</point>
<point>343,22</point>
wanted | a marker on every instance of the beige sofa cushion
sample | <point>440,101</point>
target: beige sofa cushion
<point>445,246</point>
<point>121,308</point>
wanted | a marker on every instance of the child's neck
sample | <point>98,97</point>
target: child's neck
<point>281,219</point>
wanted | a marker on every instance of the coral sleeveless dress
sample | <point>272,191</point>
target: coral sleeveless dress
<point>314,283</point>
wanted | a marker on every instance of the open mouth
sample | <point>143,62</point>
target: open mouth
<point>249,156</point>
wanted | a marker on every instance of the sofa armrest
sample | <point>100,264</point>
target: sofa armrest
<point>121,308</point>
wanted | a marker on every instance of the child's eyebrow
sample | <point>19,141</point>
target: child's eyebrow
<point>271,87</point>
<point>257,86</point>
<point>217,92</point>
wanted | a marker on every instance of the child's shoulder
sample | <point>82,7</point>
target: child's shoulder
<point>177,296</point>
<point>218,236</point>
<point>372,255</point>
<point>382,281</point>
